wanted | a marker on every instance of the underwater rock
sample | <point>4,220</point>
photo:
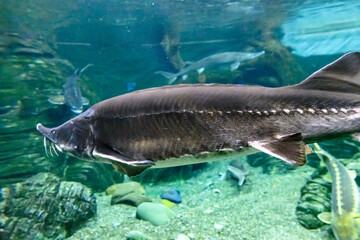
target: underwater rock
<point>136,235</point>
<point>182,236</point>
<point>315,198</point>
<point>155,213</point>
<point>173,195</point>
<point>121,189</point>
<point>132,199</point>
<point>171,44</point>
<point>278,61</point>
<point>43,207</point>
<point>129,193</point>
<point>16,44</point>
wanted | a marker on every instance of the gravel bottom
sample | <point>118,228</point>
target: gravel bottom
<point>214,209</point>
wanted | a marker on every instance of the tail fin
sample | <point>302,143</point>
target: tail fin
<point>84,68</point>
<point>170,76</point>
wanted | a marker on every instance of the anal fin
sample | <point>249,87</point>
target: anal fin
<point>130,167</point>
<point>57,99</point>
<point>325,217</point>
<point>85,101</point>
<point>290,149</point>
<point>234,65</point>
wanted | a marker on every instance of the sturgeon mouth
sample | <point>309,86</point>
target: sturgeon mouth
<point>47,133</point>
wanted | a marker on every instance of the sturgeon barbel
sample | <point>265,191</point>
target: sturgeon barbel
<point>163,126</point>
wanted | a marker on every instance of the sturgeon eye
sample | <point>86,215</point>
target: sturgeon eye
<point>52,131</point>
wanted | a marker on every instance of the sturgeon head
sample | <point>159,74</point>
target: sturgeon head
<point>74,137</point>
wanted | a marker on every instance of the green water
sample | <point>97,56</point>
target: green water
<point>43,42</point>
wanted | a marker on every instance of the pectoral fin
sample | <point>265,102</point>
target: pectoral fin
<point>57,99</point>
<point>234,66</point>
<point>200,70</point>
<point>85,101</point>
<point>357,220</point>
<point>325,217</point>
<point>290,148</point>
<point>356,137</point>
<point>130,167</point>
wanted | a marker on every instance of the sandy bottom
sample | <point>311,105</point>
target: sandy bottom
<point>214,209</point>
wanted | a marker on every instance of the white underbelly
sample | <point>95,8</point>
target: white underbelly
<point>204,157</point>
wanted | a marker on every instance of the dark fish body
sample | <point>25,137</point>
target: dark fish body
<point>145,128</point>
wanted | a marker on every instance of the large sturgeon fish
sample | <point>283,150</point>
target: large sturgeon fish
<point>174,125</point>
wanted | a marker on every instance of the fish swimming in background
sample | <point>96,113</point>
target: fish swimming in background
<point>345,206</point>
<point>187,124</point>
<point>72,94</point>
<point>233,59</point>
<point>237,170</point>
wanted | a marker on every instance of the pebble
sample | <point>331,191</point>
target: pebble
<point>218,227</point>
<point>172,195</point>
<point>155,213</point>
<point>136,235</point>
<point>132,199</point>
<point>122,189</point>
<point>182,237</point>
<point>208,211</point>
<point>116,224</point>
<point>217,191</point>
<point>129,193</point>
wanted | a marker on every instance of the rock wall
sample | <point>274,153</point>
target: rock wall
<point>44,207</point>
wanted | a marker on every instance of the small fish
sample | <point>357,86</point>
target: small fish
<point>182,124</point>
<point>233,59</point>
<point>72,94</point>
<point>345,206</point>
<point>238,172</point>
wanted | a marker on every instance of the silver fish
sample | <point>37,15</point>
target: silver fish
<point>233,59</point>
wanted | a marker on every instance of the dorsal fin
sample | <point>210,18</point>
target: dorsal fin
<point>342,75</point>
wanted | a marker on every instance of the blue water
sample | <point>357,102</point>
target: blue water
<point>42,42</point>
